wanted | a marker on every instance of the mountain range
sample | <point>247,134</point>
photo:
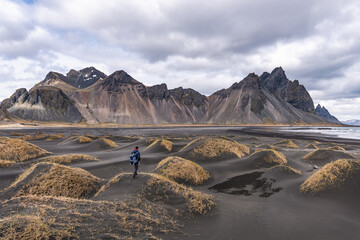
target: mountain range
<point>90,95</point>
<point>354,122</point>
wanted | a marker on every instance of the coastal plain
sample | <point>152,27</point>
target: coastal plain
<point>193,183</point>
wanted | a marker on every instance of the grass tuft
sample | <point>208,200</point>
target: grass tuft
<point>162,190</point>
<point>83,139</point>
<point>69,158</point>
<point>68,218</point>
<point>285,169</point>
<point>332,176</point>
<point>311,146</point>
<point>17,150</point>
<point>287,144</point>
<point>30,227</point>
<point>182,171</point>
<point>215,147</point>
<point>166,144</point>
<point>337,148</point>
<point>51,179</point>
<point>5,163</point>
<point>41,136</point>
<point>268,158</point>
<point>325,155</point>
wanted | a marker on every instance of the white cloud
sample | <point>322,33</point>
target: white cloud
<point>199,44</point>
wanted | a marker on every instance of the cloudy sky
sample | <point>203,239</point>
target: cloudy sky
<point>201,44</point>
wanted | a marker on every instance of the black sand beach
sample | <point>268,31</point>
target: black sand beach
<point>252,201</point>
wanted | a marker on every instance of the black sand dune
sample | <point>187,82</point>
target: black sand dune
<point>322,156</point>
<point>213,149</point>
<point>263,202</point>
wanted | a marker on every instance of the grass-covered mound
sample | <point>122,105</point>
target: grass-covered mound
<point>182,171</point>
<point>51,179</point>
<point>268,146</point>
<point>5,163</point>
<point>159,189</point>
<point>267,158</point>
<point>43,217</point>
<point>336,175</point>
<point>41,136</point>
<point>30,227</point>
<point>325,155</point>
<point>83,139</point>
<point>191,143</point>
<point>104,143</point>
<point>287,144</point>
<point>162,144</point>
<point>214,148</point>
<point>338,148</point>
<point>311,146</point>
<point>68,158</point>
<point>17,150</point>
<point>284,170</point>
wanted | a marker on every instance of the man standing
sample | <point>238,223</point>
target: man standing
<point>135,159</point>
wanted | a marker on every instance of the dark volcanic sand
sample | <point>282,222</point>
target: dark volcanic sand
<point>242,211</point>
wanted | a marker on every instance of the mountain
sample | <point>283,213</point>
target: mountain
<point>324,113</point>
<point>260,100</point>
<point>91,95</point>
<point>45,103</point>
<point>282,88</point>
<point>122,99</point>
<point>355,122</point>
<point>84,78</point>
<point>6,116</point>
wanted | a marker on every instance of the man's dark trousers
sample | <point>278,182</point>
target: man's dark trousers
<point>136,166</point>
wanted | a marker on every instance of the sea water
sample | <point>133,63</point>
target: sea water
<point>342,132</point>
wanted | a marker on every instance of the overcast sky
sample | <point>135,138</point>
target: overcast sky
<point>204,45</point>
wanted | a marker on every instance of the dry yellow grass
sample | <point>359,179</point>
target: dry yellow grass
<point>268,158</point>
<point>268,146</point>
<point>30,227</point>
<point>68,158</point>
<point>161,189</point>
<point>192,142</point>
<point>325,155</point>
<point>332,176</point>
<point>83,139</point>
<point>42,136</point>
<point>163,143</point>
<point>108,143</point>
<point>285,169</point>
<point>182,171</point>
<point>68,218</point>
<point>17,150</point>
<point>287,144</point>
<point>338,148</point>
<point>311,146</point>
<point>51,179</point>
<point>5,163</point>
<point>215,147</point>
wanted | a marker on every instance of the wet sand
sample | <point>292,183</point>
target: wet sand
<point>251,203</point>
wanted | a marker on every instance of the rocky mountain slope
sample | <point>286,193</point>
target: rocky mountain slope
<point>270,98</point>
<point>324,113</point>
<point>45,103</point>
<point>6,116</point>
<point>90,95</point>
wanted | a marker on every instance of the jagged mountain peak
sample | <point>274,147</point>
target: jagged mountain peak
<point>325,114</point>
<point>84,77</point>
<point>54,76</point>
<point>122,77</point>
<point>278,70</point>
